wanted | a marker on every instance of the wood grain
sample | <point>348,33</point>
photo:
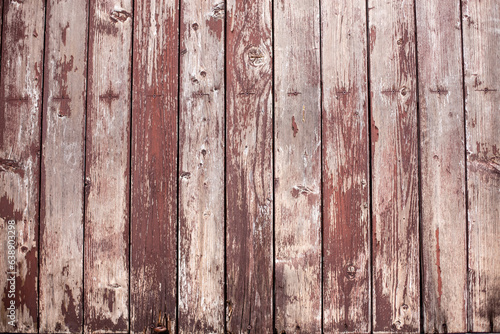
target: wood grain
<point>346,212</point>
<point>442,166</point>
<point>396,294</point>
<point>297,166</point>
<point>249,174</point>
<point>63,154</point>
<point>481,32</point>
<point>153,280</point>
<point>106,263</point>
<point>201,167</point>
<point>20,123</point>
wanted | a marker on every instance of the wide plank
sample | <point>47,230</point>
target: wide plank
<point>346,175</point>
<point>442,157</point>
<point>394,163</point>
<point>107,186</point>
<point>297,122</point>
<point>201,167</point>
<point>249,173</point>
<point>20,124</point>
<point>481,33</point>
<point>62,174</point>
<point>153,216</point>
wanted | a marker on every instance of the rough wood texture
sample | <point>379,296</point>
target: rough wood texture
<point>396,295</point>
<point>298,166</point>
<point>107,167</point>
<point>201,167</point>
<point>249,175</point>
<point>20,123</point>
<point>442,166</point>
<point>154,164</point>
<point>63,154</point>
<point>346,198</point>
<point>481,22</point>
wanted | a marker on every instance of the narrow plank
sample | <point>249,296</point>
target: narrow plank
<point>297,166</point>
<point>346,212</point>
<point>249,173</point>
<point>154,164</point>
<point>62,174</point>
<point>481,33</point>
<point>396,291</point>
<point>20,123</point>
<point>201,167</point>
<point>442,166</point>
<point>106,261</point>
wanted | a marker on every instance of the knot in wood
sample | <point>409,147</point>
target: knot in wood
<point>351,272</point>
<point>255,56</point>
<point>218,11</point>
<point>119,15</point>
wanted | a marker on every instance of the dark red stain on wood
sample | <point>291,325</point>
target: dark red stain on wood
<point>249,184</point>
<point>295,128</point>
<point>154,163</point>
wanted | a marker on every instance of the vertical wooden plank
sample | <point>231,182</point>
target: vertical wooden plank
<point>20,123</point>
<point>346,213</point>
<point>107,167</point>
<point>442,166</point>
<point>154,164</point>
<point>396,295</point>
<point>201,171</point>
<point>63,154</point>
<point>249,180</point>
<point>481,33</point>
<point>297,166</point>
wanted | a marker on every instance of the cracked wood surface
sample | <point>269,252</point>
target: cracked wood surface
<point>153,237</point>
<point>295,166</point>
<point>62,175</point>
<point>444,249</point>
<point>106,261</point>
<point>394,137</point>
<point>346,198</point>
<point>249,174</point>
<point>201,161</point>
<point>20,124</point>
<point>297,149</point>
<point>481,35</point>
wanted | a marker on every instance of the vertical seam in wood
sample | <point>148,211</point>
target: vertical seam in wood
<point>178,165</point>
<point>468,323</point>
<point>225,172</point>
<point>369,143</point>
<point>273,170</point>
<point>1,32</point>
<point>40,166</point>
<point>89,4</point>
<point>322,267</point>
<point>130,167</point>
<point>419,173</point>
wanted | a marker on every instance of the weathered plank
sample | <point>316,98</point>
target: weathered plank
<point>396,294</point>
<point>249,174</point>
<point>346,213</point>
<point>20,123</point>
<point>442,166</point>
<point>153,237</point>
<point>62,174</point>
<point>107,167</point>
<point>481,33</point>
<point>297,166</point>
<point>201,167</point>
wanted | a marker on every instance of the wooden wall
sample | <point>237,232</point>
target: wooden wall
<point>264,166</point>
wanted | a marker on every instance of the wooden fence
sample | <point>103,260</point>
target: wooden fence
<point>260,166</point>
